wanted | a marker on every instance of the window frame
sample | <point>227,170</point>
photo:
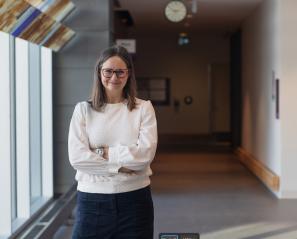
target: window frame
<point>5,139</point>
<point>15,132</point>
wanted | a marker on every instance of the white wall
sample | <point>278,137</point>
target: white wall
<point>269,45</point>
<point>288,96</point>
<point>261,129</point>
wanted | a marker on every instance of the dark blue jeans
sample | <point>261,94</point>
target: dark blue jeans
<point>128,215</point>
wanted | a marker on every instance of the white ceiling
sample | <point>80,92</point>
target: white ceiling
<point>213,16</point>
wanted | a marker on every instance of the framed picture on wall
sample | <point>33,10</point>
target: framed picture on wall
<point>155,89</point>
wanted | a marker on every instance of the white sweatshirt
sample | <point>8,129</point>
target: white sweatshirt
<point>132,140</point>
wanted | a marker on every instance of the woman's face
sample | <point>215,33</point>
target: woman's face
<point>114,75</point>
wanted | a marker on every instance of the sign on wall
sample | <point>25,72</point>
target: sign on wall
<point>129,44</point>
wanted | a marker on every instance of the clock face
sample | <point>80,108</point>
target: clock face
<point>175,11</point>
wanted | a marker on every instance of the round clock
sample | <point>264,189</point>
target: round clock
<point>175,11</point>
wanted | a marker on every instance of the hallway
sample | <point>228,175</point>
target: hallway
<point>214,78</point>
<point>213,194</point>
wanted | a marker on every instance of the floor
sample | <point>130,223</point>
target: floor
<point>214,195</point>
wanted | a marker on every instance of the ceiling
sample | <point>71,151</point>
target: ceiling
<point>213,16</point>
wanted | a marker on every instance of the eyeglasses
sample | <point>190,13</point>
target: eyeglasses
<point>120,73</point>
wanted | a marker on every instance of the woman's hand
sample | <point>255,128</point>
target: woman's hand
<point>105,154</point>
<point>125,170</point>
<point>122,169</point>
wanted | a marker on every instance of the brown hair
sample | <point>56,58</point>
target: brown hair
<point>98,97</point>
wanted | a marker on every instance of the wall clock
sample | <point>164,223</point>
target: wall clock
<point>175,11</point>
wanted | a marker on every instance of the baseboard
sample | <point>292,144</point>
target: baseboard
<point>184,138</point>
<point>194,139</point>
<point>269,178</point>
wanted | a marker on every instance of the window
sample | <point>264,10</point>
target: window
<point>22,130</point>
<point>26,147</point>
<point>5,139</point>
<point>156,89</point>
<point>35,124</point>
<point>12,129</point>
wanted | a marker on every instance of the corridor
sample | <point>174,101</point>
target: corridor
<point>222,76</point>
<point>214,195</point>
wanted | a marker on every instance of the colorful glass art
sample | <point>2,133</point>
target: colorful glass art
<point>37,21</point>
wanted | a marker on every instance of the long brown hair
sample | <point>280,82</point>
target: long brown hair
<point>98,98</point>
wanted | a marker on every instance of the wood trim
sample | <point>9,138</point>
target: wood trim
<point>269,178</point>
<point>182,138</point>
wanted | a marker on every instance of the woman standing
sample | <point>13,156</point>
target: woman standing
<point>112,141</point>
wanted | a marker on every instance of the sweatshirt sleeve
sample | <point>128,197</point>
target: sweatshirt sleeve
<point>139,156</point>
<point>81,157</point>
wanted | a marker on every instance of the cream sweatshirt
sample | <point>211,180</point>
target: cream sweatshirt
<point>132,140</point>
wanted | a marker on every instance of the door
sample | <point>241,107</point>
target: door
<point>219,99</point>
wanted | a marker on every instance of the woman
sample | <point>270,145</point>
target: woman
<point>112,141</point>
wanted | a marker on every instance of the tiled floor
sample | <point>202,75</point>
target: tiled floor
<point>213,194</point>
